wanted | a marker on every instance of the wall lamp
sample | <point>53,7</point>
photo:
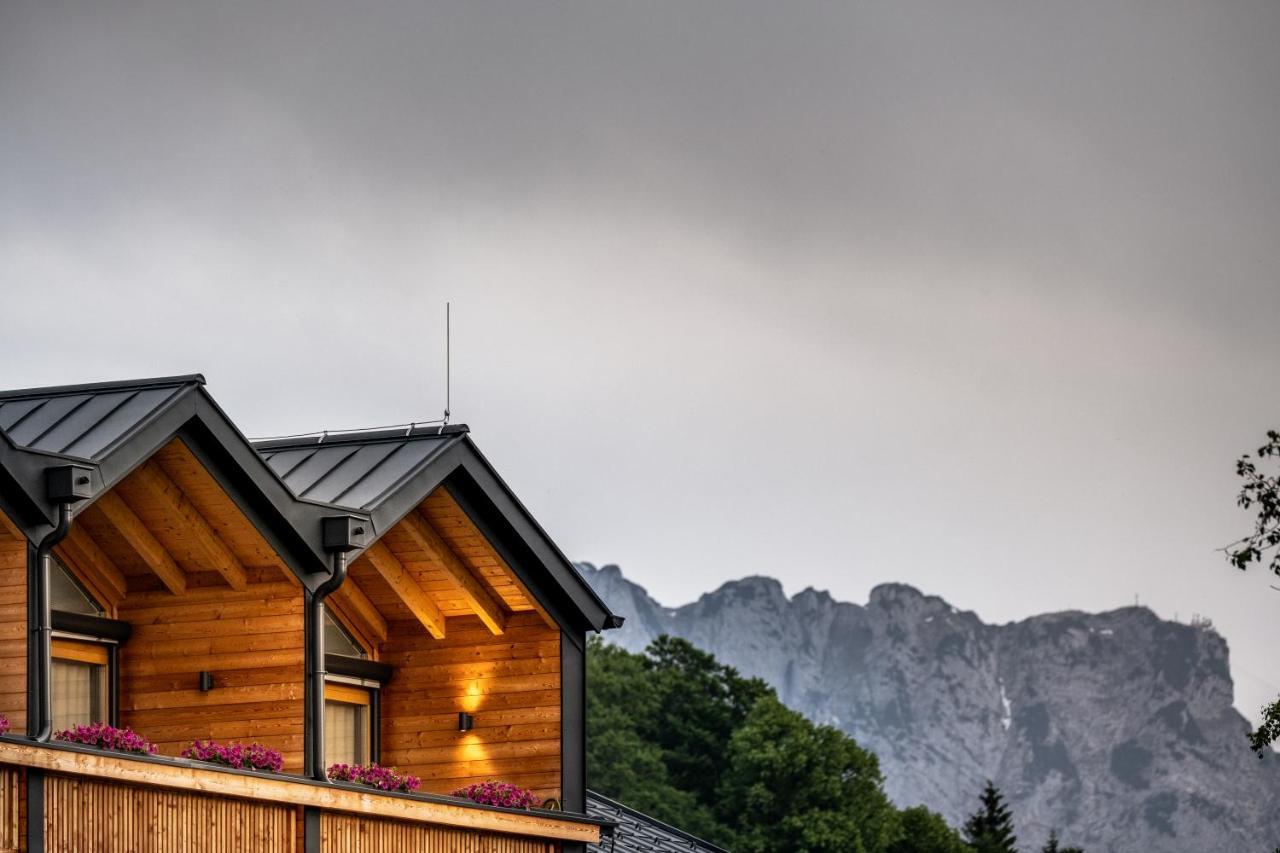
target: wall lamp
<point>206,682</point>
<point>466,722</point>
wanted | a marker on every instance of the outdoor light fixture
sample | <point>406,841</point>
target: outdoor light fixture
<point>465,721</point>
<point>206,682</point>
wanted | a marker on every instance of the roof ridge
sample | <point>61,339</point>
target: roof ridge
<point>92,387</point>
<point>331,438</point>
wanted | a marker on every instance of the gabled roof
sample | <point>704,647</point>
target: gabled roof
<point>113,427</point>
<point>86,421</point>
<point>359,472</point>
<point>389,473</point>
<point>636,832</point>
<point>285,486</point>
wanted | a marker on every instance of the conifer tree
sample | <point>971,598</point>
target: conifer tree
<point>1051,846</point>
<point>990,828</point>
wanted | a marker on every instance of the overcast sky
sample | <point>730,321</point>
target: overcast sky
<point>981,297</point>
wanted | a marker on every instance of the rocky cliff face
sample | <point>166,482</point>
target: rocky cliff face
<point>1117,728</point>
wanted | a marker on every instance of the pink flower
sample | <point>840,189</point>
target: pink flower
<point>502,794</point>
<point>4,724</point>
<point>382,778</point>
<point>104,736</point>
<point>255,756</point>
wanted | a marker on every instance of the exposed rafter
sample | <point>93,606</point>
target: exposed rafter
<point>89,559</point>
<point>134,532</point>
<point>406,588</point>
<point>357,606</point>
<point>478,599</point>
<point>217,555</point>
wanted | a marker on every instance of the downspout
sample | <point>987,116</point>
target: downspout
<point>314,630</point>
<point>40,625</point>
<point>340,534</point>
<point>66,486</point>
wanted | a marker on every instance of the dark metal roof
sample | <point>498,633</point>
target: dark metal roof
<point>360,470</point>
<point>112,427</point>
<point>389,472</point>
<point>86,421</point>
<point>638,833</point>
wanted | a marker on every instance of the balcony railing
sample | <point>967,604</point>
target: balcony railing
<point>82,799</point>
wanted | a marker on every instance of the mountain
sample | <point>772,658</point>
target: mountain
<point>1116,728</point>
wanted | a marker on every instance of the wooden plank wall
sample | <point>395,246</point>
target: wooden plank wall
<point>10,796</point>
<point>85,816</point>
<point>341,833</point>
<point>13,626</point>
<point>250,641</point>
<point>511,683</point>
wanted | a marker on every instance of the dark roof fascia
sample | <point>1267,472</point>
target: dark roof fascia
<point>665,827</point>
<point>290,526</point>
<point>584,597</point>
<point>505,522</point>
<point>21,493</point>
<point>94,387</point>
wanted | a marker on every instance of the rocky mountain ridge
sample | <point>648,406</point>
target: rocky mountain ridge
<point>1115,728</point>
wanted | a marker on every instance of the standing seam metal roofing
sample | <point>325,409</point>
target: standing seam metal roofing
<point>358,472</point>
<point>86,421</point>
<point>638,833</point>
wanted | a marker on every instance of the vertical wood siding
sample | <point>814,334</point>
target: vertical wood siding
<point>13,626</point>
<point>510,682</point>
<point>341,833</point>
<point>10,796</point>
<point>86,816</point>
<point>250,641</point>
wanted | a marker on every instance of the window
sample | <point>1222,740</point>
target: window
<point>350,701</point>
<point>347,724</point>
<point>81,685</point>
<point>338,640</point>
<point>68,595</point>
<point>82,668</point>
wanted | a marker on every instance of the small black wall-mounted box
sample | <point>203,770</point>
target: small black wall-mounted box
<point>68,484</point>
<point>344,533</point>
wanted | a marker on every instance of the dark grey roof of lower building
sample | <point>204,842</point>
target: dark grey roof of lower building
<point>638,833</point>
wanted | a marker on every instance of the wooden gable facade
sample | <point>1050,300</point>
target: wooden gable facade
<point>213,579</point>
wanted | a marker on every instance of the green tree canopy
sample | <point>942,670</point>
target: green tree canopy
<point>685,738</point>
<point>923,831</point>
<point>990,828</point>
<point>813,785</point>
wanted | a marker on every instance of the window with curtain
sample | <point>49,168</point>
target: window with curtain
<point>347,720</point>
<point>80,686</point>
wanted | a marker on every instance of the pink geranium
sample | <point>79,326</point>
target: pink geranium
<point>502,794</point>
<point>104,736</point>
<point>382,778</point>
<point>254,756</point>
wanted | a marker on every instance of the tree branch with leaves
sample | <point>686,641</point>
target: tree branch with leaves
<point>1261,493</point>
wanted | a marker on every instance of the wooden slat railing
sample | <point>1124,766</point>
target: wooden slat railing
<point>89,792</point>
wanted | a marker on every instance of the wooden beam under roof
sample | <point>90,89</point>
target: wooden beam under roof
<point>152,478</point>
<point>406,588</point>
<point>444,502</point>
<point>89,559</point>
<point>426,538</point>
<point>357,606</point>
<point>139,538</point>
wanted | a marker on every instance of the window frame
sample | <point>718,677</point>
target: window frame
<point>357,681</point>
<point>92,651</point>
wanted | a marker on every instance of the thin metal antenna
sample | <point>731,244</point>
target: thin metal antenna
<point>448,363</point>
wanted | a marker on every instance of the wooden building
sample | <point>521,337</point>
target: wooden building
<point>376,596</point>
